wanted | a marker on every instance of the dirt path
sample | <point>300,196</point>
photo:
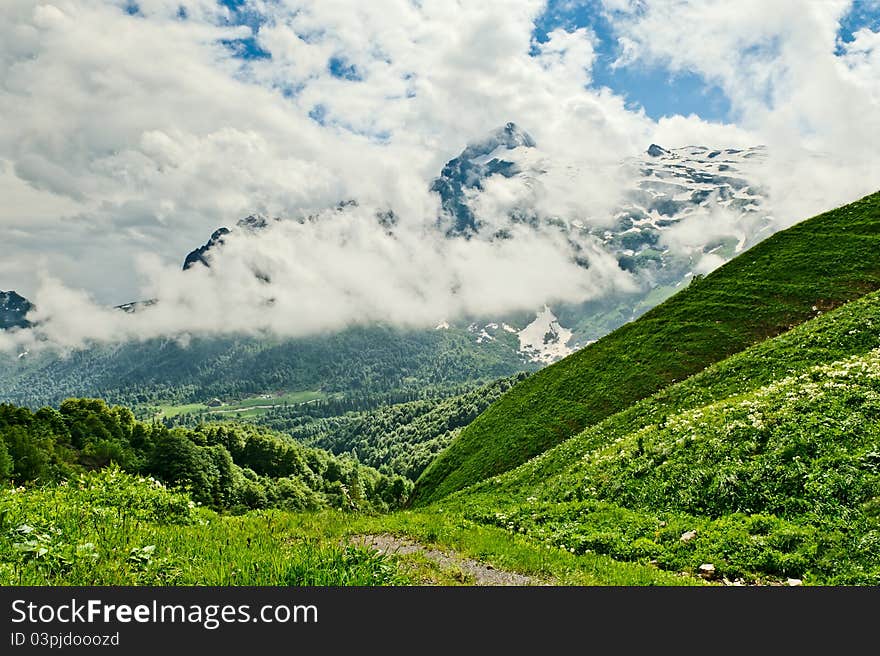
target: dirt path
<point>474,570</point>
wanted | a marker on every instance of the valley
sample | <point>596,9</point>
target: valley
<point>727,436</point>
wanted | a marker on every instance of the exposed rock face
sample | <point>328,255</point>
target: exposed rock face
<point>199,255</point>
<point>477,162</point>
<point>13,310</point>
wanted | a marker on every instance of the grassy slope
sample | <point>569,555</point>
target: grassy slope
<point>772,455</point>
<point>822,262</point>
<point>110,528</point>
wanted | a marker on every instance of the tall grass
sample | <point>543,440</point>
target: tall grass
<point>111,528</point>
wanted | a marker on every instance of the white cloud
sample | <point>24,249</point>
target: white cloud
<point>818,113</point>
<point>128,139</point>
<point>325,274</point>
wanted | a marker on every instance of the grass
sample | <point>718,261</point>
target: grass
<point>170,410</point>
<point>772,456</point>
<point>245,408</point>
<point>785,280</point>
<point>111,528</point>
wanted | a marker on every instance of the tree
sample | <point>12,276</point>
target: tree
<point>30,455</point>
<point>6,463</point>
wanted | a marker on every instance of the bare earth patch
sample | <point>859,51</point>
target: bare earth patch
<point>476,571</point>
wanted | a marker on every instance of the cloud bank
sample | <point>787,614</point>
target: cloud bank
<point>132,130</point>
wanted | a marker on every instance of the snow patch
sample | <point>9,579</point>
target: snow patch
<point>544,340</point>
<point>484,337</point>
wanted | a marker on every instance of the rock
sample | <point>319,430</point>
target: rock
<point>198,256</point>
<point>707,570</point>
<point>662,524</point>
<point>794,583</point>
<point>13,309</point>
<point>687,536</point>
<point>471,168</point>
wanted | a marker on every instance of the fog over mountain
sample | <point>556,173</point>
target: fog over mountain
<point>423,169</point>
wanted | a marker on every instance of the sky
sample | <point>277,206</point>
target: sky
<point>132,129</point>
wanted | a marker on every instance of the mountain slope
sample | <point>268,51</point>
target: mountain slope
<point>816,265</point>
<point>769,460</point>
<point>403,438</point>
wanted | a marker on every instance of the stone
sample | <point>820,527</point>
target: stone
<point>687,536</point>
<point>707,570</point>
<point>794,583</point>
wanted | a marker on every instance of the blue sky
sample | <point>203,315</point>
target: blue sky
<point>654,88</point>
<point>659,91</point>
<point>864,13</point>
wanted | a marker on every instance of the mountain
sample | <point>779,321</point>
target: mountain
<point>198,256</point>
<point>672,195</point>
<point>668,187</point>
<point>477,162</point>
<point>785,280</point>
<point>13,310</point>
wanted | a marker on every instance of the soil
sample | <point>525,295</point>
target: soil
<point>478,572</point>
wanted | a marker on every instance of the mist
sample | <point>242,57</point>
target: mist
<point>130,139</point>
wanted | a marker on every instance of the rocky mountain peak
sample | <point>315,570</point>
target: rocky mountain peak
<point>13,310</point>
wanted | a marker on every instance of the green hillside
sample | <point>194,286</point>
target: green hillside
<point>228,466</point>
<point>403,438</point>
<point>772,458</point>
<point>789,278</point>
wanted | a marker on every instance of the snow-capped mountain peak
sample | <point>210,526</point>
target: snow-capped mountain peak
<point>478,161</point>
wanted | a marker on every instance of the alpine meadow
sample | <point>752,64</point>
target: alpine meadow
<point>547,293</point>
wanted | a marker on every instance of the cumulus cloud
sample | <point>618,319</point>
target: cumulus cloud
<point>297,278</point>
<point>777,63</point>
<point>129,136</point>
